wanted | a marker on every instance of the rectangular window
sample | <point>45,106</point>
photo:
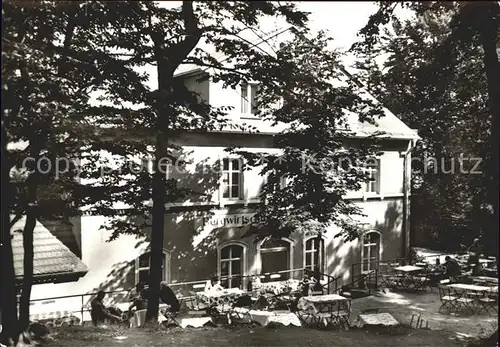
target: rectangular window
<point>275,257</point>
<point>314,254</point>
<point>370,253</point>
<point>248,93</point>
<point>231,266</point>
<point>232,174</point>
<point>372,169</point>
<point>142,265</point>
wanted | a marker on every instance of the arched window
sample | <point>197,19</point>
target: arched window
<point>314,251</point>
<point>370,251</point>
<point>231,265</point>
<point>143,264</point>
<point>275,256</point>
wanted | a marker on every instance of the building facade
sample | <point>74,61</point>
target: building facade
<point>205,233</point>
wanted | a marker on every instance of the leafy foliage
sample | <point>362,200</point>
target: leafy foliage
<point>319,161</point>
<point>128,35</point>
<point>435,78</point>
<point>45,92</point>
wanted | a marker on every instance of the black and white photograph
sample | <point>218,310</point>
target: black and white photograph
<point>249,173</point>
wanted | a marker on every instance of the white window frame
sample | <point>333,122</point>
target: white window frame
<point>246,98</point>
<point>243,258</point>
<point>290,259</point>
<point>231,171</point>
<point>322,256</point>
<point>166,266</point>
<point>368,246</point>
<point>374,172</point>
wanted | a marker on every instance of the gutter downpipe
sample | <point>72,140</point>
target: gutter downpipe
<point>406,201</point>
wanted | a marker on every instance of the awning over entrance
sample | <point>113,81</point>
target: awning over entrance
<point>53,262</point>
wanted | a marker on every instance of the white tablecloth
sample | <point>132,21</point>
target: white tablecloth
<point>266,317</point>
<point>224,298</point>
<point>472,287</point>
<point>377,318</point>
<point>123,306</point>
<point>194,322</point>
<point>408,268</point>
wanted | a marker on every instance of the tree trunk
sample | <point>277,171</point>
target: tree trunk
<point>168,60</point>
<point>29,227</point>
<point>157,230</point>
<point>158,185</point>
<point>8,299</point>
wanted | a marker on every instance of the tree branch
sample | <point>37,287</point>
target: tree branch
<point>16,219</point>
<point>193,35</point>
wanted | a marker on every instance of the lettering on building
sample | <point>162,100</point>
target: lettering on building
<point>231,220</point>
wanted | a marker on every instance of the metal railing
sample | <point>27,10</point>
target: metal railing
<point>84,305</point>
<point>184,289</point>
<point>381,266</point>
<point>375,272</point>
<point>331,284</point>
<point>367,281</point>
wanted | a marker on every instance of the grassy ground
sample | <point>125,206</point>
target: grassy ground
<point>248,336</point>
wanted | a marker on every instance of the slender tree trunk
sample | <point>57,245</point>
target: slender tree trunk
<point>158,186</point>
<point>157,230</point>
<point>8,299</point>
<point>167,62</point>
<point>29,227</point>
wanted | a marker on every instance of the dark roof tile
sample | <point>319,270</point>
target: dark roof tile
<point>51,256</point>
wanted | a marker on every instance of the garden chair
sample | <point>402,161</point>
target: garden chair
<point>489,302</point>
<point>170,317</point>
<point>465,302</point>
<point>448,298</point>
<point>342,319</point>
<point>338,317</point>
<point>193,302</point>
<point>387,273</point>
<point>422,281</point>
<point>241,308</point>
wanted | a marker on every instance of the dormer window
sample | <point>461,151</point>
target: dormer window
<point>248,93</point>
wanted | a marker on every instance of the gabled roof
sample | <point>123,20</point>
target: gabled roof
<point>389,126</point>
<point>53,261</point>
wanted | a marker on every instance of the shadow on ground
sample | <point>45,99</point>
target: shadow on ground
<point>403,305</point>
<point>244,336</point>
